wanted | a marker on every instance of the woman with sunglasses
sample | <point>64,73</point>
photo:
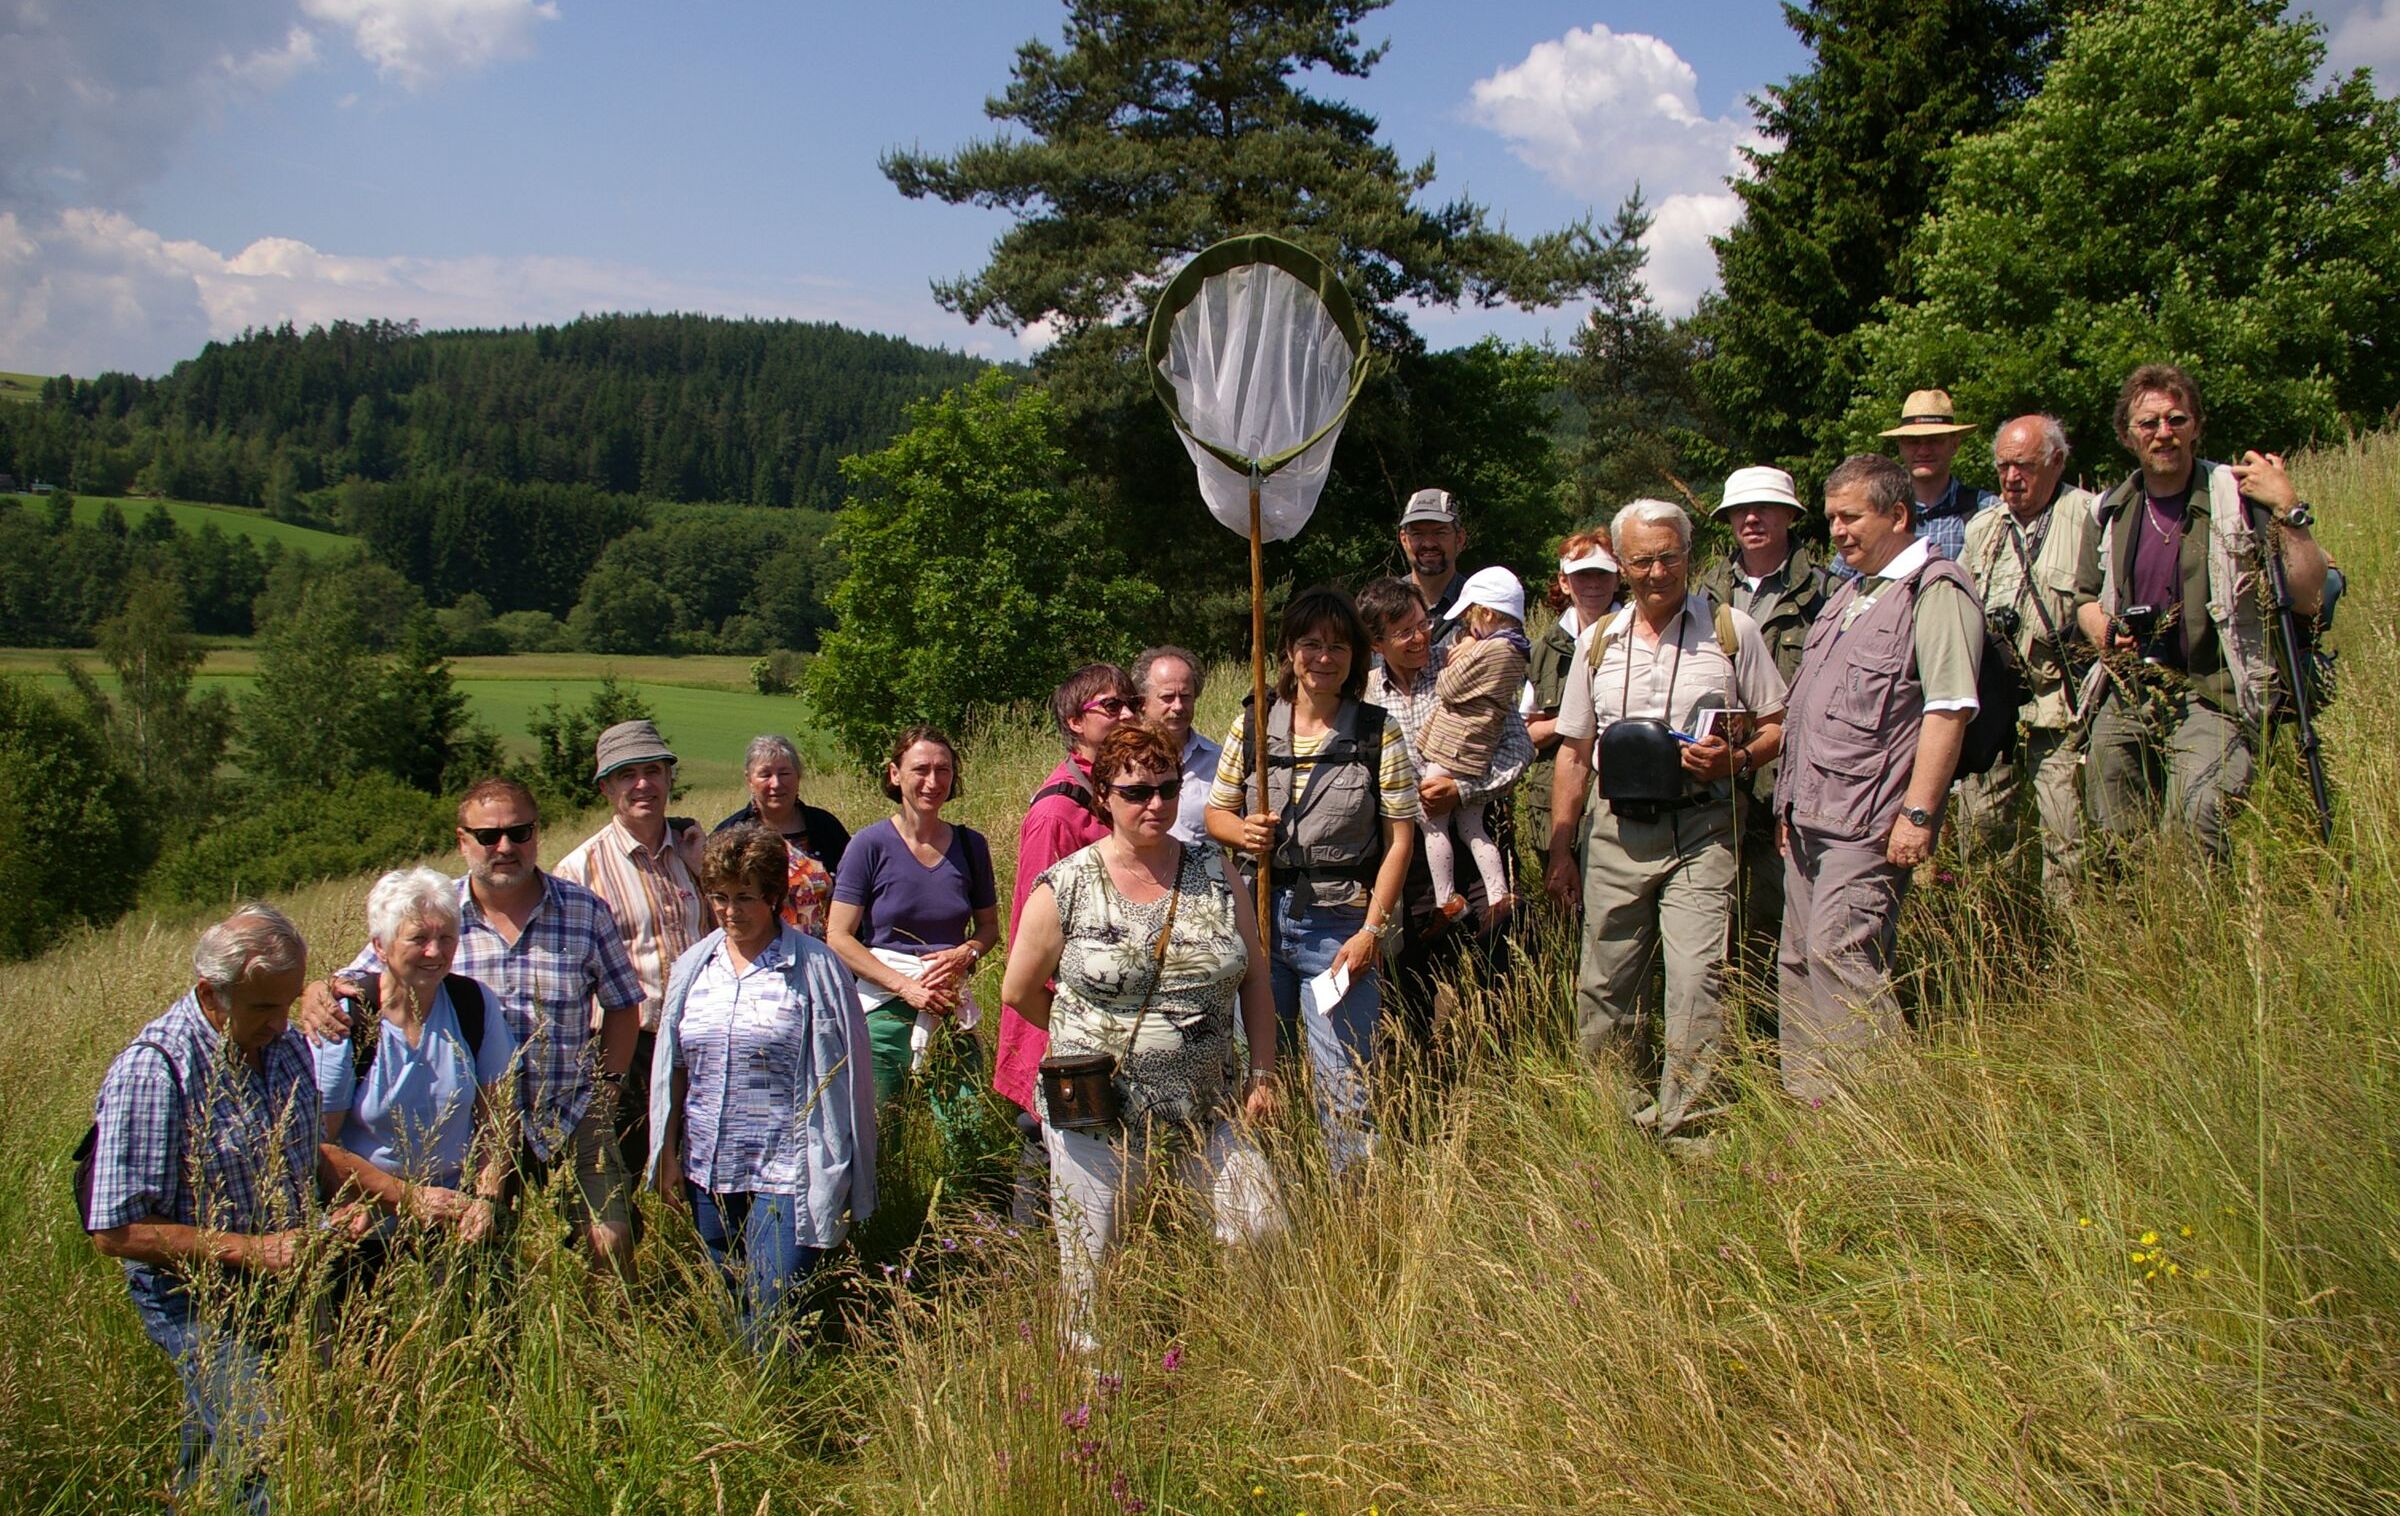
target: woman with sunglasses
<point>762,1091</point>
<point>1061,820</point>
<point>1137,947</point>
<point>1337,832</point>
<point>916,907</point>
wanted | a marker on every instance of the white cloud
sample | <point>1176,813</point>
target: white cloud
<point>87,290</point>
<point>268,69</point>
<point>1598,112</point>
<point>415,41</point>
<point>2363,34</point>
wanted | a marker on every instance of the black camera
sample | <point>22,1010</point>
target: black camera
<point>2002,623</point>
<point>2140,622</point>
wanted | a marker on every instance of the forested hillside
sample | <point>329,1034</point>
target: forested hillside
<point>672,407</point>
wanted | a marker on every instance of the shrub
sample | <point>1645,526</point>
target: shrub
<point>361,824</point>
<point>779,672</point>
<point>73,843</point>
<point>533,632</point>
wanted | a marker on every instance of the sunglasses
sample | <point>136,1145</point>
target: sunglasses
<point>489,836</point>
<point>1110,705</point>
<point>1143,794</point>
<point>2172,421</point>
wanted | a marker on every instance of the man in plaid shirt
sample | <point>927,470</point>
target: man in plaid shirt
<point>545,950</point>
<point>204,1168</point>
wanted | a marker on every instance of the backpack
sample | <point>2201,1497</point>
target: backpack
<point>2000,688</point>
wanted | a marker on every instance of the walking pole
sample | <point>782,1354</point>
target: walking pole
<point>1258,679</point>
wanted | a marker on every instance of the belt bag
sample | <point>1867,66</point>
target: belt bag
<point>1079,1090</point>
<point>1641,768</point>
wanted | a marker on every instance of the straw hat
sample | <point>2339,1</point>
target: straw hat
<point>1928,413</point>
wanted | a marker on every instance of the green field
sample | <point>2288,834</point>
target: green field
<point>233,520</point>
<point>705,706</point>
<point>20,386</point>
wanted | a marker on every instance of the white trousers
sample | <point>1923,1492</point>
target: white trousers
<point>1096,1184</point>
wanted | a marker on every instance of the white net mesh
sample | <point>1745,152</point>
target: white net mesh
<point>1258,364</point>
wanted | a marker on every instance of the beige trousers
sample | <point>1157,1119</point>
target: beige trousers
<point>1995,813</point>
<point>1833,985</point>
<point>1652,891</point>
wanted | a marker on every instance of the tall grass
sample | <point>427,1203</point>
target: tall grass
<point>2115,1232</point>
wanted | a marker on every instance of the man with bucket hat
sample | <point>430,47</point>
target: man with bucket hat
<point>646,868</point>
<point>1670,701</point>
<point>1781,585</point>
<point>1928,438</point>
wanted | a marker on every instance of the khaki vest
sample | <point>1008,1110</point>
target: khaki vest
<point>1850,726</point>
<point>1330,845</point>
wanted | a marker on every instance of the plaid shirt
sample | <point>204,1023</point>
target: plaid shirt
<point>743,1039</point>
<point>1414,706</point>
<point>652,894</point>
<point>568,956</point>
<point>199,1137</point>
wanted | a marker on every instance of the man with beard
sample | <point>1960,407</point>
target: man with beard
<point>1431,538</point>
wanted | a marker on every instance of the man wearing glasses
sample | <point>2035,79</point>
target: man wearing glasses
<point>1432,535</point>
<point>2173,601</point>
<point>545,951</point>
<point>2024,559</point>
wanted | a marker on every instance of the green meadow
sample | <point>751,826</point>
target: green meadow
<point>705,705</point>
<point>233,520</point>
<point>2116,1229</point>
<point>20,386</point>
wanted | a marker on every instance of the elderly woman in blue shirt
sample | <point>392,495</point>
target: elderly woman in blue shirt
<point>762,1089</point>
<point>420,1103</point>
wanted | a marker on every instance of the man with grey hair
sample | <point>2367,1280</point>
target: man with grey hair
<point>1878,715</point>
<point>647,870</point>
<point>205,1166</point>
<point>1167,681</point>
<point>2025,555</point>
<point>1669,703</point>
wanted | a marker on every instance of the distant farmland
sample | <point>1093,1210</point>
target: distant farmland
<point>20,386</point>
<point>233,520</point>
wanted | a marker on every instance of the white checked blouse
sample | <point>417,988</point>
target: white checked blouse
<point>746,1047</point>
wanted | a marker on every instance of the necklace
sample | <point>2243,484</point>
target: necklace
<point>2150,513</point>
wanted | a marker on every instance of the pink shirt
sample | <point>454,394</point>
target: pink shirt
<point>1056,826</point>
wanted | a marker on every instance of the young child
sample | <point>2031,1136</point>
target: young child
<point>1477,691</point>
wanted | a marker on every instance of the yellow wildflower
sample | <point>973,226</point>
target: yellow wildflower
<point>2187,1231</point>
<point>2083,1221</point>
<point>2149,1238</point>
<point>2139,1256</point>
<point>2173,1270</point>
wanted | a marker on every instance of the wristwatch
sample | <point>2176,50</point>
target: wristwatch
<point>1389,928</point>
<point>1918,816</point>
<point>1741,762</point>
<point>2300,516</point>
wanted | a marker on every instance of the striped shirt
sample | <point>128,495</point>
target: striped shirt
<point>198,1137</point>
<point>652,894</point>
<point>745,1043</point>
<point>1396,779</point>
<point>545,982</point>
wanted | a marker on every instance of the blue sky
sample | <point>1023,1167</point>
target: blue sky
<point>173,170</point>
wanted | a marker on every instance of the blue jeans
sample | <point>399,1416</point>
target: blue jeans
<point>226,1388</point>
<point>754,1241</point>
<point>1339,1039</point>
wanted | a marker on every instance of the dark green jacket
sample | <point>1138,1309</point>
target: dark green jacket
<point>1786,608</point>
<point>2121,514</point>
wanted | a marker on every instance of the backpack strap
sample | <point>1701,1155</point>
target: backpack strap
<point>1727,642</point>
<point>1080,794</point>
<point>466,1000</point>
<point>88,1148</point>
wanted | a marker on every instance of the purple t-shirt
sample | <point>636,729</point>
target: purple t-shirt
<point>2158,567</point>
<point>906,906</point>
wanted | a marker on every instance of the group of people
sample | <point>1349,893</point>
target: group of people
<point>1734,767</point>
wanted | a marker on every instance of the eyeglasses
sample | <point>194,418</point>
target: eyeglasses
<point>2172,421</point>
<point>1143,794</point>
<point>1310,647</point>
<point>727,902</point>
<point>1656,561</point>
<point>1111,705</point>
<point>489,836</point>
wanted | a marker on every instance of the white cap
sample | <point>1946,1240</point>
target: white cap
<point>1596,557</point>
<point>1495,587</point>
<point>1757,485</point>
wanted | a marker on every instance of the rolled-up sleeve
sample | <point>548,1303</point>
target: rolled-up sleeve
<point>137,1144</point>
<point>1949,646</point>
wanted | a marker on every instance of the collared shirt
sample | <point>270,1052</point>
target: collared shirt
<point>569,955</point>
<point>1942,526</point>
<point>1684,672</point>
<point>1412,707</point>
<point>745,1044</point>
<point>652,894</point>
<point>199,1137</point>
<point>1191,803</point>
<point>414,1115</point>
<point>1948,631</point>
